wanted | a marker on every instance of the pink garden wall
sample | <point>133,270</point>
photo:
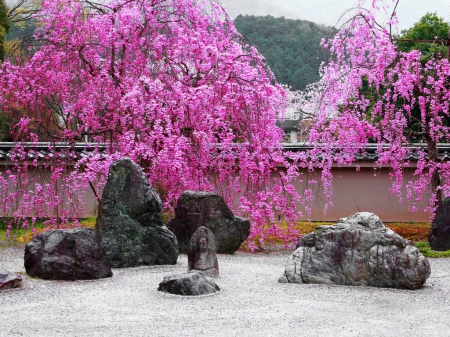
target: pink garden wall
<point>354,191</point>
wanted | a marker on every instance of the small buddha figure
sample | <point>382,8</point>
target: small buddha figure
<point>202,253</point>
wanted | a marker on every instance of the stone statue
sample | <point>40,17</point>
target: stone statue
<point>202,253</point>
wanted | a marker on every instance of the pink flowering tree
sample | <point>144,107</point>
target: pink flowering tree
<point>377,94</point>
<point>168,83</point>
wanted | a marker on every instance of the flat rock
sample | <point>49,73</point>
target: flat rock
<point>360,251</point>
<point>196,209</point>
<point>439,235</point>
<point>9,280</point>
<point>129,220</point>
<point>193,283</point>
<point>66,254</point>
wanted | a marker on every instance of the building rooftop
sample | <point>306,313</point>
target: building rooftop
<point>43,150</point>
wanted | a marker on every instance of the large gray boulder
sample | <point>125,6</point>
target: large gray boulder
<point>196,209</point>
<point>69,254</point>
<point>129,220</point>
<point>360,251</point>
<point>193,283</point>
<point>439,235</point>
<point>9,279</point>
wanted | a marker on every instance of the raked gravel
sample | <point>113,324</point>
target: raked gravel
<point>251,303</point>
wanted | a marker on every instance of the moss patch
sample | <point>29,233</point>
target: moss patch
<point>20,236</point>
<point>426,250</point>
<point>417,231</point>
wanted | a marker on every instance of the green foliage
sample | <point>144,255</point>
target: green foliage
<point>21,33</point>
<point>5,25</point>
<point>22,30</point>
<point>426,250</point>
<point>291,47</point>
<point>18,235</point>
<point>430,27</point>
<point>5,126</point>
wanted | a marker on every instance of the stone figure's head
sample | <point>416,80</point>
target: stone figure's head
<point>203,244</point>
<point>202,240</point>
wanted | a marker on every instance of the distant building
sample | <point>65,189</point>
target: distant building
<point>295,130</point>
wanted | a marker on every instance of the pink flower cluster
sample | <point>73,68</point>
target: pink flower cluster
<point>167,83</point>
<point>171,85</point>
<point>380,95</point>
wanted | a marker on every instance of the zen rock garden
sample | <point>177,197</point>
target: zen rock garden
<point>358,250</point>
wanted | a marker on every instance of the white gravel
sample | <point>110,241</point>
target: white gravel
<point>251,303</point>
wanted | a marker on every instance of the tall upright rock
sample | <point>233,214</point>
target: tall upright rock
<point>129,220</point>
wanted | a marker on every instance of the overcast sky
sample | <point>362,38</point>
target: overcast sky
<point>328,11</point>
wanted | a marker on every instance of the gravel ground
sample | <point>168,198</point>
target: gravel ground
<point>251,303</point>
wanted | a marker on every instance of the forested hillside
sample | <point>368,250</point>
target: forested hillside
<point>24,30</point>
<point>291,47</point>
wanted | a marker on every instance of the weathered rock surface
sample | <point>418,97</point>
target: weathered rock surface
<point>69,254</point>
<point>193,283</point>
<point>196,209</point>
<point>439,235</point>
<point>9,279</point>
<point>202,252</point>
<point>129,220</point>
<point>358,250</point>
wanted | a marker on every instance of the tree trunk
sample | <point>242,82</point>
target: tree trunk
<point>435,182</point>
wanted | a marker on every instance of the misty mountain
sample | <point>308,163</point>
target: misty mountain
<point>291,47</point>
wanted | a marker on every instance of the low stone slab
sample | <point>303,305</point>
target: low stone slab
<point>9,280</point>
<point>359,251</point>
<point>70,254</point>
<point>193,283</point>
<point>196,209</point>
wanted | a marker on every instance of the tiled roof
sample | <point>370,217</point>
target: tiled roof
<point>43,150</point>
<point>84,149</point>
<point>289,124</point>
<point>369,153</point>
